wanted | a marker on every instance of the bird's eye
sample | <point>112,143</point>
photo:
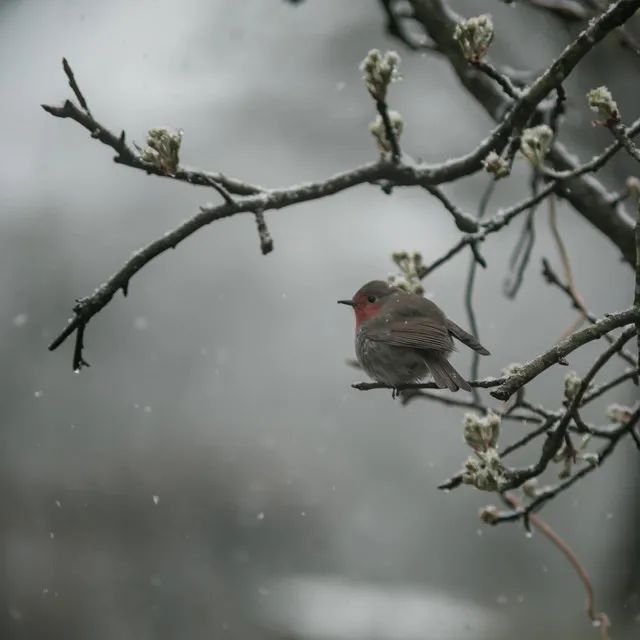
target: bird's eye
<point>371,299</point>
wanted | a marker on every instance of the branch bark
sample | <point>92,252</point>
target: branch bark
<point>586,194</point>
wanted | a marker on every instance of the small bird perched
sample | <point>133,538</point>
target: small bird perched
<point>403,337</point>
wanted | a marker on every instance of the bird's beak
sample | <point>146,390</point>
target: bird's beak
<point>349,303</point>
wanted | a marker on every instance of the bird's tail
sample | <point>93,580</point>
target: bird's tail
<point>444,374</point>
<point>466,338</point>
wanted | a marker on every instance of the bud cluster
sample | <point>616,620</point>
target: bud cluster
<point>535,144</point>
<point>496,165</point>
<point>572,385</point>
<point>601,102</point>
<point>410,267</point>
<point>474,37</point>
<point>485,471</point>
<point>379,71</point>
<point>633,185</point>
<point>618,413</point>
<point>568,456</point>
<point>163,149</point>
<point>489,514</point>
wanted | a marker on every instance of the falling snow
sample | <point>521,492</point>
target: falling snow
<point>20,320</point>
<point>140,323</point>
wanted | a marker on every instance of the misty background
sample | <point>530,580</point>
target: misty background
<point>213,474</point>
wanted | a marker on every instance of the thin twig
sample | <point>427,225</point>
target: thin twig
<point>559,109</point>
<point>494,224</point>
<point>74,86</point>
<point>636,297</point>
<point>517,477</point>
<point>503,81</point>
<point>568,271</point>
<point>532,435</point>
<point>266,241</point>
<point>220,189</point>
<point>595,164</point>
<point>587,195</point>
<point>522,252</point>
<point>448,401</point>
<point>548,493</point>
<point>398,173</point>
<point>596,392</point>
<point>535,367</point>
<point>551,277</point>
<point>601,618</point>
<point>395,29</point>
<point>468,296</point>
<point>389,131</point>
<point>456,480</point>
<point>620,132</point>
<point>464,222</point>
<point>480,384</point>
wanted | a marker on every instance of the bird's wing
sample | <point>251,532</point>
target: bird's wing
<point>417,332</point>
<point>466,338</point>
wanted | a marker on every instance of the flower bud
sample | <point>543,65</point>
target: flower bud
<point>474,36</point>
<point>379,71</point>
<point>601,101</point>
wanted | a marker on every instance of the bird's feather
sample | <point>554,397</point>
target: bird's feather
<point>417,332</point>
<point>466,338</point>
<point>445,375</point>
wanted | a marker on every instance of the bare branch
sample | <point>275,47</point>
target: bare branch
<point>74,86</point>
<point>468,295</point>
<point>552,278</point>
<point>586,195</point>
<point>544,495</point>
<point>480,384</point>
<point>522,252</point>
<point>550,357</point>
<point>389,129</point>
<point>127,156</point>
<point>503,81</point>
<point>464,222</point>
<point>517,477</point>
<point>597,618</point>
<point>600,390</point>
<point>456,480</point>
<point>266,241</point>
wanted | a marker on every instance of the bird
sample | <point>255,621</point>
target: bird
<point>401,338</point>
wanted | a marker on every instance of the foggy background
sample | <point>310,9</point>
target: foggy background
<point>213,474</point>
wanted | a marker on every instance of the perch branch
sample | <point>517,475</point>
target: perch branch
<point>550,357</point>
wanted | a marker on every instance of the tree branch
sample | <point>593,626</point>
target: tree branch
<point>586,194</point>
<point>550,357</point>
<point>517,477</point>
<point>488,383</point>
